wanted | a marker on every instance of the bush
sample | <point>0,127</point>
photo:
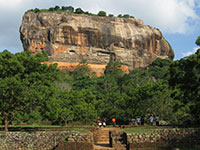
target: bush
<point>64,8</point>
<point>56,8</point>
<point>120,15</point>
<point>51,9</point>
<point>79,11</point>
<point>64,19</point>
<point>101,13</point>
<point>110,15</point>
<point>198,41</point>
<point>126,16</point>
<point>36,10</point>
<point>70,9</point>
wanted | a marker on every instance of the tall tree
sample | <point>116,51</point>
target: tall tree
<point>21,75</point>
<point>185,76</point>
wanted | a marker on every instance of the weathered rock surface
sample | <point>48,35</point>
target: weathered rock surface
<point>72,38</point>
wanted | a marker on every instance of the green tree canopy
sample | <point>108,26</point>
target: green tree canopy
<point>20,74</point>
<point>79,11</point>
<point>185,77</point>
<point>198,41</point>
<point>101,13</point>
<point>160,69</point>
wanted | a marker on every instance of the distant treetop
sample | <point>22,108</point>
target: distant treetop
<point>70,9</point>
<point>198,41</point>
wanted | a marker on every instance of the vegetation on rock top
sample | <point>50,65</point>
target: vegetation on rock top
<point>70,9</point>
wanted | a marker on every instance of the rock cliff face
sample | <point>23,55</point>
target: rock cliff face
<point>72,38</point>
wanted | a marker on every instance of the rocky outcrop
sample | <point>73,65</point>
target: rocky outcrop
<point>73,38</point>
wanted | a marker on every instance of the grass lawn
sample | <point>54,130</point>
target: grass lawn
<point>39,127</point>
<point>196,147</point>
<point>144,129</point>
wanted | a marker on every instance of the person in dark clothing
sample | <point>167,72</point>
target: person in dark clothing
<point>142,120</point>
<point>157,120</point>
<point>104,122</point>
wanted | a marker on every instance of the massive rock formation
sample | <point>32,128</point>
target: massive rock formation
<point>73,38</point>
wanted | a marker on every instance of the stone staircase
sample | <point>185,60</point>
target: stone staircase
<point>101,139</point>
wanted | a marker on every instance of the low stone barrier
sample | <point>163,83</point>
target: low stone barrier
<point>77,141</point>
<point>164,138</point>
<point>40,140</point>
<point>117,139</point>
<point>75,146</point>
<point>80,137</point>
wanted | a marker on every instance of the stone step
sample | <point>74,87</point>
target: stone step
<point>107,133</point>
<point>102,140</point>
<point>103,147</point>
<point>103,137</point>
<point>108,148</point>
<point>102,143</point>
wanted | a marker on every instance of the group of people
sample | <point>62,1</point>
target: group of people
<point>102,122</point>
<point>141,120</point>
<point>138,121</point>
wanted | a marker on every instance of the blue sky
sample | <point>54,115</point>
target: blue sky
<point>178,20</point>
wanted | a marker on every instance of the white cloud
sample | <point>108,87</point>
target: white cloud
<point>171,16</point>
<point>190,52</point>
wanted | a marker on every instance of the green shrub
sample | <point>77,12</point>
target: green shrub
<point>70,9</point>
<point>110,15</point>
<point>126,16</point>
<point>101,13</point>
<point>56,8</point>
<point>51,9</point>
<point>120,15</point>
<point>36,10</point>
<point>64,19</point>
<point>198,41</point>
<point>79,11</point>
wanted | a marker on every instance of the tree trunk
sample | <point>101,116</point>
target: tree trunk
<point>6,122</point>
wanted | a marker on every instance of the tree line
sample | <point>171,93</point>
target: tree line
<point>70,9</point>
<point>33,92</point>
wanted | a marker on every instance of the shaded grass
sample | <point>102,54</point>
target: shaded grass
<point>80,130</point>
<point>38,127</point>
<point>195,147</point>
<point>144,129</point>
<point>137,130</point>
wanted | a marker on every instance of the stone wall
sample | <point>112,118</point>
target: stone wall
<point>80,137</point>
<point>161,138</point>
<point>45,140</point>
<point>117,139</point>
<point>75,146</point>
